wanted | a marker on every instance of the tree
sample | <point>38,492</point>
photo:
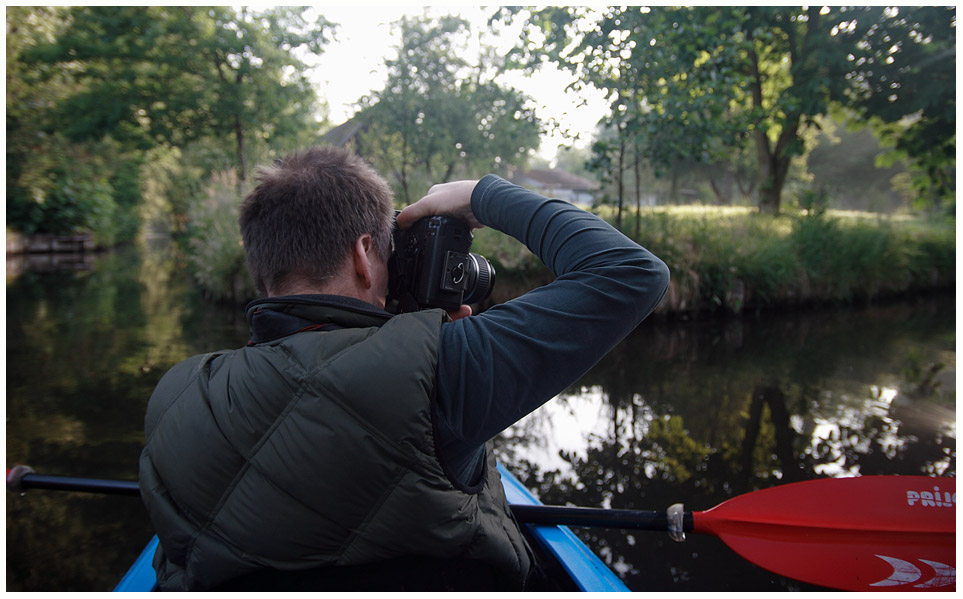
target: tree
<point>438,114</point>
<point>903,83</point>
<point>710,78</point>
<point>171,75</point>
<point>54,185</point>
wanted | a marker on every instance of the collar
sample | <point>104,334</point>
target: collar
<point>275,317</point>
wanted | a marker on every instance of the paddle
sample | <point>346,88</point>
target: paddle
<point>869,533</point>
<point>21,478</point>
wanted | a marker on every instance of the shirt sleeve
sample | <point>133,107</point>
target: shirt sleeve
<point>498,366</point>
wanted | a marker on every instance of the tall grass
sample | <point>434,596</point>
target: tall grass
<point>732,258</point>
<point>721,259</point>
<point>216,255</point>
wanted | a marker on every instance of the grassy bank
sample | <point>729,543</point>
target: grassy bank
<point>722,259</point>
<point>732,259</point>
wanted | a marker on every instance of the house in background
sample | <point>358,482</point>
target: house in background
<point>559,184</point>
<point>346,134</point>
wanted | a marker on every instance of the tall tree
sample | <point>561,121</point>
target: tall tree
<point>170,75</point>
<point>439,114</point>
<point>903,75</point>
<point>711,77</point>
<point>52,184</point>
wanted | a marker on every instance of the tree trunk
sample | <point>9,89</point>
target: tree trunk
<point>717,191</point>
<point>241,158</point>
<point>772,177</point>
<point>620,180</point>
<point>638,195</point>
<point>403,178</point>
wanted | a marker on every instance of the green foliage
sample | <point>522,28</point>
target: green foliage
<point>96,93</point>
<point>171,182</point>
<point>216,256</point>
<point>438,115</point>
<point>697,84</point>
<point>813,202</point>
<point>903,66</point>
<point>77,189</point>
<point>731,259</point>
<point>170,75</point>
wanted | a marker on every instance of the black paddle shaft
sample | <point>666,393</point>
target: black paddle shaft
<point>69,483</point>
<point>22,478</point>
<point>596,517</point>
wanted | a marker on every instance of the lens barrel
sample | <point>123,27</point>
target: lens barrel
<point>480,279</point>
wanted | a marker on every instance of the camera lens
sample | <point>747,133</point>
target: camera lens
<point>481,279</point>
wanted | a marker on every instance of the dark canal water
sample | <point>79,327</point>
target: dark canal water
<point>692,412</point>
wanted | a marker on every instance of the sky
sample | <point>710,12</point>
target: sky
<point>354,66</point>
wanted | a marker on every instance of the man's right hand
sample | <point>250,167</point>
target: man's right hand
<point>445,199</point>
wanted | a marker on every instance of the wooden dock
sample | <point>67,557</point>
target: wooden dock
<point>49,244</point>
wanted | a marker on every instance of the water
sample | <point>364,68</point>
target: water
<point>692,412</point>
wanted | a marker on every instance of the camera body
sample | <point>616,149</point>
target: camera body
<point>431,267</point>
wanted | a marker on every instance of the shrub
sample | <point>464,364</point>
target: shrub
<point>216,254</point>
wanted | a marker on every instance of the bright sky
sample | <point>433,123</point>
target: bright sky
<point>354,65</point>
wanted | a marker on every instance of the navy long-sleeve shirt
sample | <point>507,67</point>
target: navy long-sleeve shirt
<point>501,365</point>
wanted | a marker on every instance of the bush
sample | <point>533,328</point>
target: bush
<point>77,189</point>
<point>215,252</point>
<point>730,258</point>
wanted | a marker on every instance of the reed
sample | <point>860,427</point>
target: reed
<point>729,259</point>
<point>215,252</point>
<point>722,259</point>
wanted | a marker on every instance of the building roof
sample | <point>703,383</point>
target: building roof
<point>558,179</point>
<point>344,132</point>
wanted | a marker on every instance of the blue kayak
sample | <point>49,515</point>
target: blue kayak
<point>585,569</point>
<point>571,558</point>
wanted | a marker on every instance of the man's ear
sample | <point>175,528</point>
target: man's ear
<point>361,254</point>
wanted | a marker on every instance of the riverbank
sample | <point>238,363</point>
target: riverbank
<point>724,260</point>
<point>727,260</point>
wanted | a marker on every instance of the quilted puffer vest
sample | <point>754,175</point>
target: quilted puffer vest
<point>313,450</point>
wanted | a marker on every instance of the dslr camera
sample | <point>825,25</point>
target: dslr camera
<point>431,267</point>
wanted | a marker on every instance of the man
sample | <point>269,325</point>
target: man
<point>348,448</point>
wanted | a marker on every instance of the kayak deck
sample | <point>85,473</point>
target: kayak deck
<point>140,577</point>
<point>586,571</point>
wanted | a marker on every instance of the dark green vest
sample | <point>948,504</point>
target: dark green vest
<point>313,450</point>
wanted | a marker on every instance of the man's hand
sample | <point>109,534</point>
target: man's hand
<point>462,312</point>
<point>446,199</point>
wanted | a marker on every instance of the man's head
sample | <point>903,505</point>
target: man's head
<point>304,218</point>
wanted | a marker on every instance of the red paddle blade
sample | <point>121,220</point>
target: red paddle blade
<point>871,533</point>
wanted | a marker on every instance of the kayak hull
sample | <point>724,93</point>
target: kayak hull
<point>584,569</point>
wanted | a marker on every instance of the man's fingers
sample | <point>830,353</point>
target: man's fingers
<point>446,199</point>
<point>463,311</point>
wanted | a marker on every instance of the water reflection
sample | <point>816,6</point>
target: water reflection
<point>681,411</point>
<point>85,348</point>
<point>701,412</point>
